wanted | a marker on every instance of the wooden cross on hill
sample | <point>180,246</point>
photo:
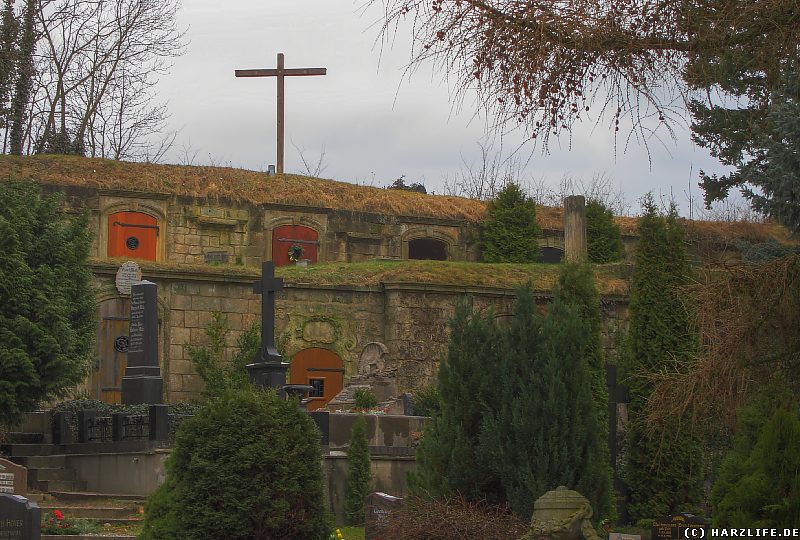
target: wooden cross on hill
<point>280,73</point>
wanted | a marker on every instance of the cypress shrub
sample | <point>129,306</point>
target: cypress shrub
<point>247,466</point>
<point>759,481</point>
<point>603,237</point>
<point>448,456</point>
<point>358,473</point>
<point>510,232</point>
<point>663,468</point>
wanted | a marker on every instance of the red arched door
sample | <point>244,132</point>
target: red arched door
<point>133,235</point>
<point>322,369</point>
<point>287,236</point>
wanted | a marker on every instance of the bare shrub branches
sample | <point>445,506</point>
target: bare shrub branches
<point>748,316</point>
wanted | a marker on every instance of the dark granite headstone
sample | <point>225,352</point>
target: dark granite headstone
<point>20,519</point>
<point>142,382</point>
<point>673,527</point>
<point>378,507</point>
<point>13,478</point>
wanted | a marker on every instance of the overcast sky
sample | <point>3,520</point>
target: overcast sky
<point>375,123</point>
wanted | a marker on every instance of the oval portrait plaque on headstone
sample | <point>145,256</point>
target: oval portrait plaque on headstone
<point>128,274</point>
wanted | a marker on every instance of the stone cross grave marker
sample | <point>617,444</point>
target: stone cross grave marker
<point>269,369</point>
<point>20,519</point>
<point>142,382</point>
<point>13,478</point>
<point>279,74</point>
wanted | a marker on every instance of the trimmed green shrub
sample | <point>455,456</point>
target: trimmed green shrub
<point>358,474</point>
<point>365,399</point>
<point>510,232</point>
<point>47,304</point>
<point>247,466</point>
<point>603,237</point>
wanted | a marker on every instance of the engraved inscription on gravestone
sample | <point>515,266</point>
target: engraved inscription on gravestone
<point>20,519</point>
<point>674,527</point>
<point>136,332</point>
<point>378,507</point>
<point>13,478</point>
<point>128,274</point>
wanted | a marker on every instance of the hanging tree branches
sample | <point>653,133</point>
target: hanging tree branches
<point>544,64</point>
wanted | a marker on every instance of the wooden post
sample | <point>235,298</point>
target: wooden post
<point>575,229</point>
<point>279,74</point>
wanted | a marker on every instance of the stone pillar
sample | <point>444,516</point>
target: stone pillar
<point>575,229</point>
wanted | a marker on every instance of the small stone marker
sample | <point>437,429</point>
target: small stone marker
<point>142,382</point>
<point>13,478</point>
<point>378,507</point>
<point>128,274</point>
<point>673,527</point>
<point>622,536</point>
<point>20,519</point>
<point>216,257</point>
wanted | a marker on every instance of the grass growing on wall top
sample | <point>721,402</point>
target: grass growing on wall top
<point>610,280</point>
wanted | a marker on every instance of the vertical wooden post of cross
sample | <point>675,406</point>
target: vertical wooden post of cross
<point>279,74</point>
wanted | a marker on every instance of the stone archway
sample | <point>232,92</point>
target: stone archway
<point>321,368</point>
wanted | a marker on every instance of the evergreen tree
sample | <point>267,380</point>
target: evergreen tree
<point>358,473</point>
<point>761,140</point>
<point>603,237</point>
<point>759,481</point>
<point>246,466</point>
<point>23,87</point>
<point>448,456</point>
<point>517,411</point>
<point>543,430</point>
<point>664,466</point>
<point>47,306</point>
<point>510,232</point>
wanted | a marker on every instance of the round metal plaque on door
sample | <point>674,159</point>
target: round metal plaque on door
<point>121,344</point>
<point>132,242</point>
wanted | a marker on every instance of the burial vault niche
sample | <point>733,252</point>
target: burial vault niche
<point>294,241</point>
<point>321,368</point>
<point>133,235</point>
<point>551,255</point>
<point>428,249</point>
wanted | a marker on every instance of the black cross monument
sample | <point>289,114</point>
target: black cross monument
<point>269,369</point>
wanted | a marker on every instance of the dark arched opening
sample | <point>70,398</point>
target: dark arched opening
<point>427,249</point>
<point>551,255</point>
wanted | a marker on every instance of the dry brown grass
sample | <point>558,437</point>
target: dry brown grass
<point>215,183</point>
<point>222,183</point>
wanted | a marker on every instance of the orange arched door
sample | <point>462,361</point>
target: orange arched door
<point>133,235</point>
<point>286,236</point>
<point>322,369</point>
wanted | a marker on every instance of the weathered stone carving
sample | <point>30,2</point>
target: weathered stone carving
<point>561,514</point>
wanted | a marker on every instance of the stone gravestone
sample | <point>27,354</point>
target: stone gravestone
<point>623,536</point>
<point>13,478</point>
<point>142,382</point>
<point>379,506</point>
<point>20,519</point>
<point>128,274</point>
<point>673,527</point>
